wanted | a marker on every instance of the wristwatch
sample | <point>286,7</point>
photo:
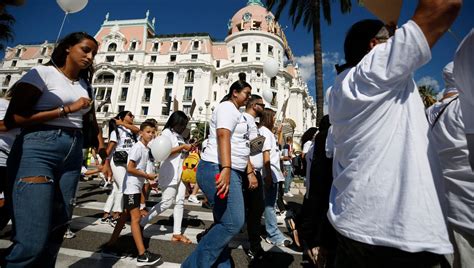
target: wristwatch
<point>62,112</point>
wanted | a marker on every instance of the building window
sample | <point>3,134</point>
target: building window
<point>194,56</point>
<point>259,74</point>
<point>245,47</point>
<point>189,76</point>
<point>133,46</point>
<point>173,58</point>
<point>105,78</point>
<point>103,93</point>
<point>188,94</point>
<point>187,109</point>
<point>258,48</point>
<point>126,78</point>
<point>112,47</point>
<point>121,108</point>
<point>123,94</point>
<point>243,59</point>
<point>258,90</point>
<point>215,79</point>
<point>273,82</point>
<point>17,53</point>
<point>7,80</point>
<point>130,57</point>
<point>270,51</point>
<point>169,78</point>
<point>195,45</point>
<point>214,95</point>
<point>43,51</point>
<point>153,59</point>
<point>109,58</point>
<point>144,110</point>
<point>257,58</point>
<point>149,79</point>
<point>155,47</point>
<point>14,63</point>
<point>233,49</point>
<point>146,95</point>
<point>218,63</point>
<point>40,61</point>
<point>165,110</point>
<point>175,46</point>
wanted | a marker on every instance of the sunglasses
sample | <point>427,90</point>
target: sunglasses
<point>131,115</point>
<point>260,104</point>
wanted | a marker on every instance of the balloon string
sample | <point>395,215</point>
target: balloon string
<point>61,29</point>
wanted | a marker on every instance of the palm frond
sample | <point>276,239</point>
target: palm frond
<point>326,4</point>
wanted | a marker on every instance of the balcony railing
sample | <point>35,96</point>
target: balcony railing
<point>104,81</point>
<point>187,98</point>
<point>146,99</point>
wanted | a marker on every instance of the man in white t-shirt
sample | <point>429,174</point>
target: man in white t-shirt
<point>386,201</point>
<point>447,134</point>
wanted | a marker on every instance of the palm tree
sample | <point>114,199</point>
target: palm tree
<point>310,12</point>
<point>427,94</point>
<point>6,33</point>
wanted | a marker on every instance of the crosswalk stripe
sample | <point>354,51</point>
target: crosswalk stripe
<point>71,257</point>
<point>165,232</point>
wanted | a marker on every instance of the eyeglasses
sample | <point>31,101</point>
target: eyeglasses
<point>261,105</point>
<point>131,115</point>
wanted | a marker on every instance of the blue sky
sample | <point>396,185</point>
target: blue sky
<point>40,20</point>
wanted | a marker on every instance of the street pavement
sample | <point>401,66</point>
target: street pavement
<point>91,234</point>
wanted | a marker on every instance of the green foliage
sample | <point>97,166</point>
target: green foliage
<point>427,94</point>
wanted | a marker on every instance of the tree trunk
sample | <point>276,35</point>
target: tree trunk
<point>318,60</point>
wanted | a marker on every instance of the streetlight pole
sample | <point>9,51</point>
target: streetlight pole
<point>207,102</point>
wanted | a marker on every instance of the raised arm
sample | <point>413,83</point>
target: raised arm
<point>434,17</point>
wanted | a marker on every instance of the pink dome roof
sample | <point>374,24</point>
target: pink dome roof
<point>254,16</point>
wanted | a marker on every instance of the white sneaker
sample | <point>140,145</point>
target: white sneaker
<point>193,199</point>
<point>288,194</point>
<point>69,234</point>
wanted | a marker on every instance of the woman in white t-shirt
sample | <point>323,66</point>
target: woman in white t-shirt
<point>122,137</point>
<point>272,174</point>
<point>44,164</point>
<point>173,189</point>
<point>223,165</point>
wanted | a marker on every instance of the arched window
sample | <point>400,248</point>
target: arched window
<point>112,47</point>
<point>149,79</point>
<point>190,76</point>
<point>105,78</point>
<point>126,78</point>
<point>7,80</point>
<point>169,78</point>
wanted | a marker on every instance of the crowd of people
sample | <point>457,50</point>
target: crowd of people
<point>388,184</point>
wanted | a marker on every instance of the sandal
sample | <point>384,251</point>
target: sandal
<point>181,238</point>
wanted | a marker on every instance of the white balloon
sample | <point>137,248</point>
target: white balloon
<point>267,95</point>
<point>270,67</point>
<point>72,6</point>
<point>161,148</point>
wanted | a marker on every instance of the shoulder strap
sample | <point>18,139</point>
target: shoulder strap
<point>442,111</point>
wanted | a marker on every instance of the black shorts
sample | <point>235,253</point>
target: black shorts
<point>131,201</point>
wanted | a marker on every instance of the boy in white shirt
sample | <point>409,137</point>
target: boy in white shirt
<point>133,193</point>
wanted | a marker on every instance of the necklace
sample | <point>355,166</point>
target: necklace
<point>61,71</point>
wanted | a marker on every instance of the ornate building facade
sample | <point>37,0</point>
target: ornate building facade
<point>151,74</point>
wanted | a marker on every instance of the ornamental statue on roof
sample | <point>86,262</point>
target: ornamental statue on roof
<point>255,2</point>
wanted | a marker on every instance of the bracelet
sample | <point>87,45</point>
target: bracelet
<point>225,167</point>
<point>251,172</point>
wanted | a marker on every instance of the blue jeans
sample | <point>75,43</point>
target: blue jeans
<point>229,217</point>
<point>288,177</point>
<point>271,225</point>
<point>42,210</point>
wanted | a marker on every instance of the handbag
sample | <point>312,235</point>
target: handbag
<point>120,157</point>
<point>256,145</point>
<point>90,128</point>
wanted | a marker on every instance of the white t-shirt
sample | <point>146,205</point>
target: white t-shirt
<point>447,134</point>
<point>57,90</point>
<point>271,145</point>
<point>227,116</point>
<point>171,167</point>
<point>125,141</point>
<point>138,154</point>
<point>306,146</point>
<point>256,160</point>
<point>385,173</point>
<point>6,138</point>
